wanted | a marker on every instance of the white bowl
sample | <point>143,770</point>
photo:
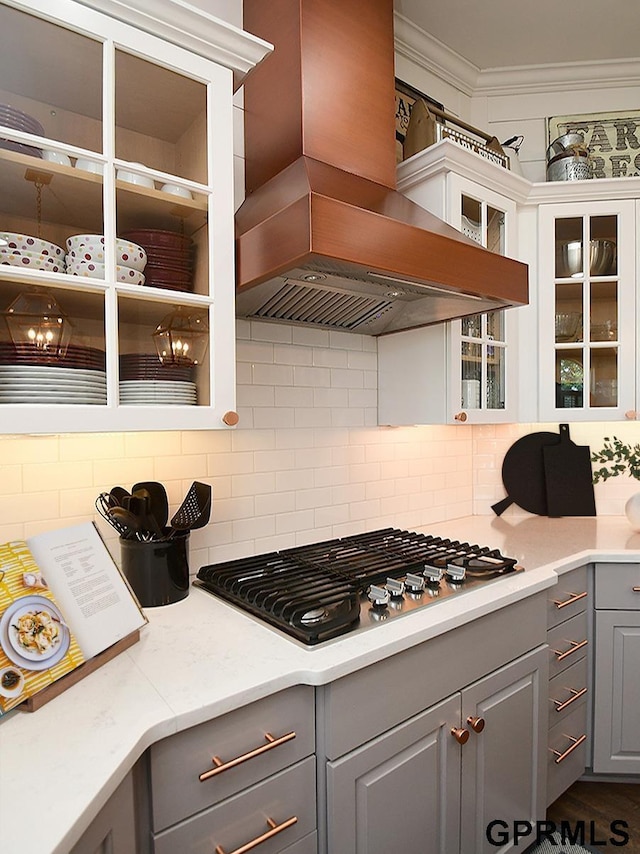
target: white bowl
<point>56,157</point>
<point>26,243</point>
<point>17,689</point>
<point>31,261</point>
<point>93,270</point>
<point>90,247</point>
<point>89,166</point>
<point>134,178</point>
<point>176,190</point>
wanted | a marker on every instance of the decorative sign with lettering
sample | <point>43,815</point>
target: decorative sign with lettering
<point>613,140</point>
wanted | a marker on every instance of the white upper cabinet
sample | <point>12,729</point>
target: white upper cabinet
<point>463,370</point>
<point>587,306</point>
<point>114,139</point>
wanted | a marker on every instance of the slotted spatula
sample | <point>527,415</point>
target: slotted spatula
<point>195,510</point>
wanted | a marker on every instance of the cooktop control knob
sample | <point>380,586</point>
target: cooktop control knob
<point>414,583</point>
<point>378,596</point>
<point>433,574</point>
<point>455,572</point>
<point>395,587</point>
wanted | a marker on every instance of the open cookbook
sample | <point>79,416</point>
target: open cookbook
<point>63,601</point>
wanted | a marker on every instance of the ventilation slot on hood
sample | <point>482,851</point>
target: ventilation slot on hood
<point>302,304</point>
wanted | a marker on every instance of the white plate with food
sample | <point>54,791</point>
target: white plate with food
<point>33,633</point>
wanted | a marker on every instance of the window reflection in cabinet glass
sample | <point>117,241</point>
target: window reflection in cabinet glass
<point>569,379</point>
<point>495,231</point>
<point>54,77</point>
<point>160,119</point>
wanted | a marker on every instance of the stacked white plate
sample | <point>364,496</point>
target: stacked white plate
<point>44,384</point>
<point>158,393</point>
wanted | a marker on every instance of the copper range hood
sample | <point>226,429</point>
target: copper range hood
<point>323,237</point>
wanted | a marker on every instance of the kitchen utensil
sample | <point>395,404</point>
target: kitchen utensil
<point>104,505</point>
<point>118,493</point>
<point>602,254</point>
<point>129,523</point>
<point>568,476</point>
<point>195,510</point>
<point>140,505</point>
<point>159,503</point>
<point>523,474</point>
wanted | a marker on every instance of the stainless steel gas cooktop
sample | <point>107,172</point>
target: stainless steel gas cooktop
<point>321,591</point>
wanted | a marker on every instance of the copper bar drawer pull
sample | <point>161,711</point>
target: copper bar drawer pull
<point>575,646</point>
<point>576,743</point>
<point>575,695</point>
<point>636,589</point>
<point>274,829</point>
<point>574,597</point>
<point>257,751</point>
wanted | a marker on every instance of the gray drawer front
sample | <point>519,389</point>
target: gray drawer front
<point>567,598</point>
<point>615,584</point>
<point>397,688</point>
<point>177,761</point>
<point>562,772</point>
<point>567,691</point>
<point>567,644</point>
<point>243,818</point>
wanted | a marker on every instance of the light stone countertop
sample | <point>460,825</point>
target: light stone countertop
<point>200,658</point>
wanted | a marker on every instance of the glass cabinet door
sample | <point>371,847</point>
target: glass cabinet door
<point>588,303</point>
<point>479,342</point>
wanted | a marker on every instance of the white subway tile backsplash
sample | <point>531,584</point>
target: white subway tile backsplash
<point>307,461</point>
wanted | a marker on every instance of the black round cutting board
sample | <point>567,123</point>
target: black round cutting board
<point>523,474</point>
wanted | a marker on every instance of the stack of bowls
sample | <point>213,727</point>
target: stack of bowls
<point>14,118</point>
<point>86,253</point>
<point>169,258</point>
<point>146,381</point>
<point>23,250</point>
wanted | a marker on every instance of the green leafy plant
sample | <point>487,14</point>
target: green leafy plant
<point>617,458</point>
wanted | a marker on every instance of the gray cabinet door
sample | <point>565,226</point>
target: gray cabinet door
<point>616,719</point>
<point>113,831</point>
<point>504,765</point>
<point>401,791</point>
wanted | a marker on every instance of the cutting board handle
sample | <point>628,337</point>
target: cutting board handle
<point>565,436</point>
<point>501,506</point>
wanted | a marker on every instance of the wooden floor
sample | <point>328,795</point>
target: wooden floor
<point>602,803</point>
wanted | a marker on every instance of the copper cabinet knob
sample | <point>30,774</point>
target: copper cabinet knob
<point>460,734</point>
<point>476,724</point>
<point>460,416</point>
<point>230,418</point>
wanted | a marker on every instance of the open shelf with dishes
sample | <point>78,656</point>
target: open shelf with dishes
<point>116,218</point>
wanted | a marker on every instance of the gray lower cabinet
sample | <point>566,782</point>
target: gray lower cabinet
<point>238,782</point>
<point>432,781</point>
<point>113,831</point>
<point>616,727</point>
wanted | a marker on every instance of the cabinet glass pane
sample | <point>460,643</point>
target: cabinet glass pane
<point>162,370</point>
<point>495,231</point>
<point>52,346</point>
<point>604,377</point>
<point>472,326</point>
<point>160,119</point>
<point>471,375</point>
<point>495,325</point>
<point>569,312</point>
<point>471,224</point>
<point>603,314</point>
<point>495,391</point>
<point>50,84</point>
<point>569,236</point>
<point>569,378</point>
<point>603,245</point>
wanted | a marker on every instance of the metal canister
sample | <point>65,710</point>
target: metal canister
<point>569,166</point>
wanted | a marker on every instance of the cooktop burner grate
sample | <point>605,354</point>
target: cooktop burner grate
<point>316,592</point>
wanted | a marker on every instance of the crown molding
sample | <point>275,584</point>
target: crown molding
<point>184,25</point>
<point>427,52</point>
<point>533,79</point>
